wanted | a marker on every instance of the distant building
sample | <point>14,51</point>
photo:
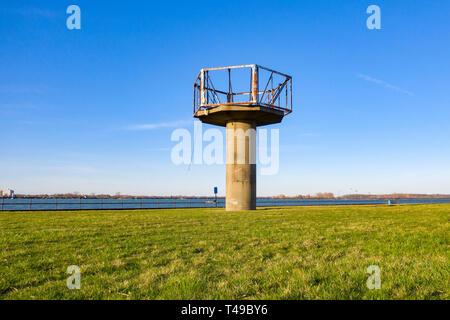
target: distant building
<point>7,193</point>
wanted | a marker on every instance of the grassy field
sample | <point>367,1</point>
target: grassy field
<point>276,253</point>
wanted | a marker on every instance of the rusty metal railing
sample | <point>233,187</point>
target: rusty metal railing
<point>267,87</point>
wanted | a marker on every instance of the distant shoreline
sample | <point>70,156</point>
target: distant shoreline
<point>306,197</point>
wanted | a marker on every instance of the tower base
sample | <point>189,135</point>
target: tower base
<point>241,166</point>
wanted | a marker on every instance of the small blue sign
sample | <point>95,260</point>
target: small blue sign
<point>215,190</point>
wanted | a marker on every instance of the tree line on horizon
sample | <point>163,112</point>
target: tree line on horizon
<point>330,195</point>
<point>319,195</point>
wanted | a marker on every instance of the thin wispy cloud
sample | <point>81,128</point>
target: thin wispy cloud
<point>56,166</point>
<point>20,90</point>
<point>45,13</point>
<point>309,134</point>
<point>32,123</point>
<point>154,126</point>
<point>384,84</point>
<point>17,106</point>
<point>294,147</point>
<point>158,149</point>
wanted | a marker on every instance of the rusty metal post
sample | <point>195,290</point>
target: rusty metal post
<point>255,83</point>
<point>202,87</point>
<point>286,95</point>
<point>230,90</point>
<point>290,85</point>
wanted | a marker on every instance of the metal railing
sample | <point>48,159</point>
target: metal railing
<point>277,92</point>
<point>105,204</point>
<point>183,203</point>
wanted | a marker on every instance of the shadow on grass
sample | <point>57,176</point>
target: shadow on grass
<point>272,208</point>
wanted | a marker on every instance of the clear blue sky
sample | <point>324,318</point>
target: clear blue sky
<point>371,107</point>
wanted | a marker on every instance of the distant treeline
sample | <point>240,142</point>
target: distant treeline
<point>329,195</point>
<point>320,195</point>
<point>396,196</point>
<point>100,196</point>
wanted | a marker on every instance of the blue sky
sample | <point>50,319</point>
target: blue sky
<point>371,107</point>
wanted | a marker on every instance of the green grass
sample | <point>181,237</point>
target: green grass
<point>277,253</point>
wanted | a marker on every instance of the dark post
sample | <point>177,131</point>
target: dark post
<point>215,195</point>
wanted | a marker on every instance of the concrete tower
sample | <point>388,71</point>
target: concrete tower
<point>241,108</point>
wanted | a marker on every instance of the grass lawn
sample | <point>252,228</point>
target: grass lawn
<point>273,253</point>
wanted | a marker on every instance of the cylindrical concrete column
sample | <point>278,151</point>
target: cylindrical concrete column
<point>241,165</point>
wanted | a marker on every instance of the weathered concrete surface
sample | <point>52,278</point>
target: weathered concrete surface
<point>260,115</point>
<point>241,165</point>
<point>241,122</point>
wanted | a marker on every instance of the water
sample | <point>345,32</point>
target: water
<point>86,204</point>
